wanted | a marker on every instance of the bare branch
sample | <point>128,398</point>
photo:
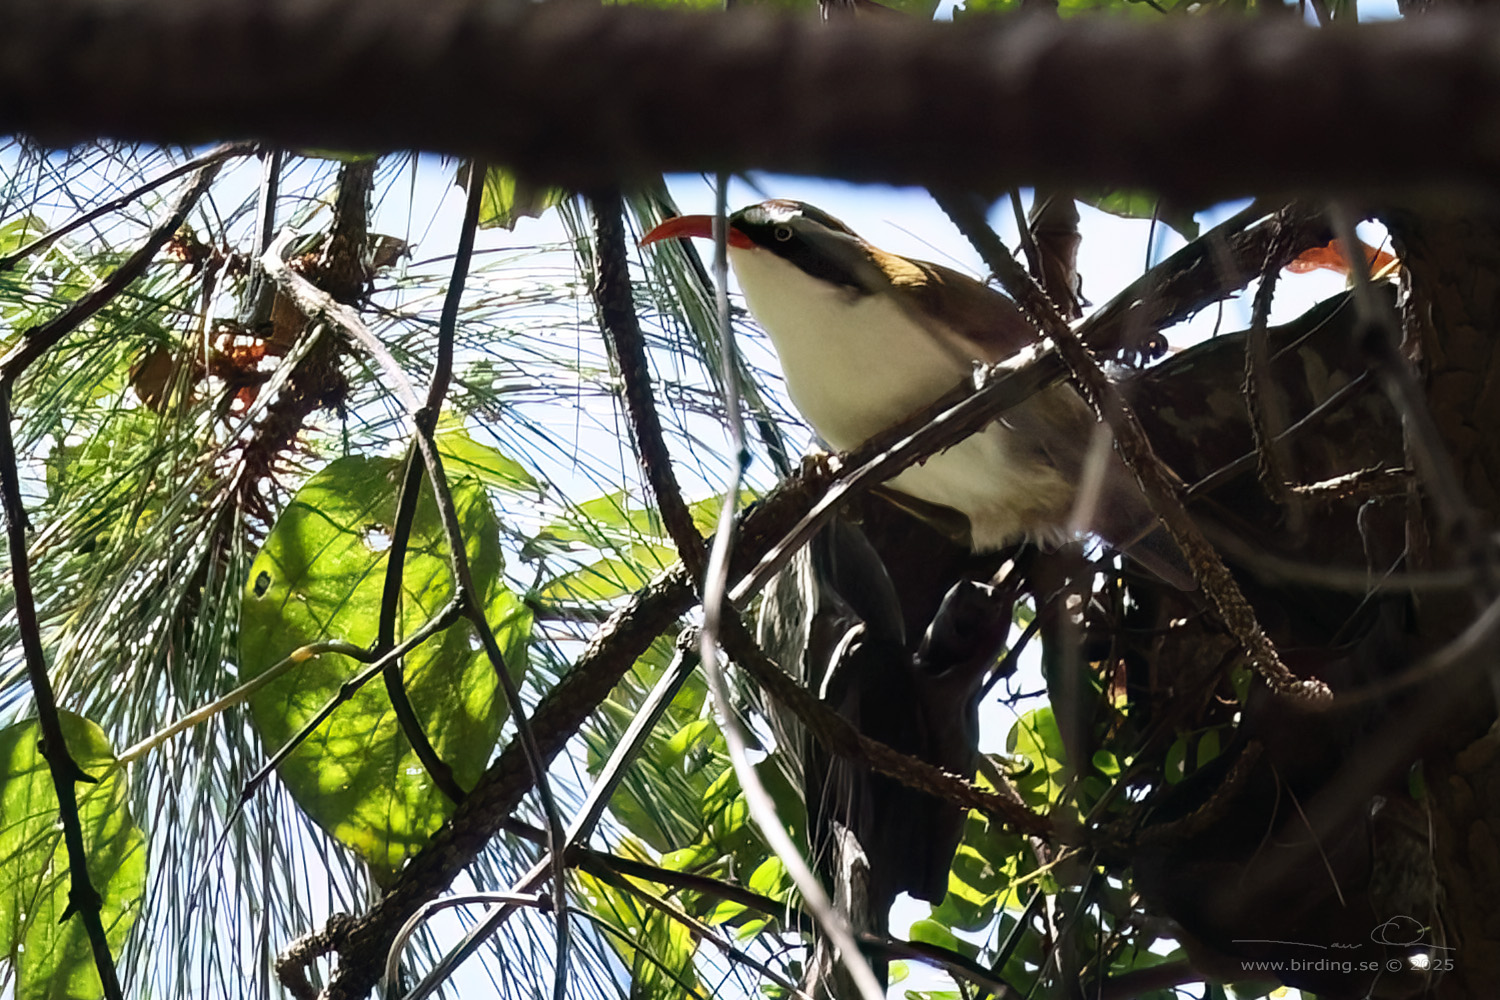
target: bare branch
<point>1189,106</point>
<point>1155,480</point>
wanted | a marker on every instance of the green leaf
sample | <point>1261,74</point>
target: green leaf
<point>1129,204</point>
<point>52,959</point>
<point>657,949</point>
<point>1174,767</point>
<point>932,932</point>
<point>610,519</point>
<point>751,929</point>
<point>320,575</point>
<point>1036,737</point>
<point>610,578</point>
<point>724,911</point>
<point>20,231</point>
<point>1208,746</point>
<point>688,858</point>
<point>508,199</point>
<point>770,879</point>
<point>462,455</point>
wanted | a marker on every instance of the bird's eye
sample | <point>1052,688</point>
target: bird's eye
<point>783,233</point>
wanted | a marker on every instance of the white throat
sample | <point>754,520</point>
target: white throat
<point>854,364</point>
<point>857,364</point>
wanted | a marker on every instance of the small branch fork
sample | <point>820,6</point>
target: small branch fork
<point>1155,480</point>
<point>83,898</point>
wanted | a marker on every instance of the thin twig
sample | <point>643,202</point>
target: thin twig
<point>313,302</point>
<point>390,607</point>
<point>615,302</point>
<point>1154,480</point>
<point>624,754</point>
<point>83,898</point>
<point>214,156</point>
<point>239,695</point>
<point>954,963</point>
<point>406,512</point>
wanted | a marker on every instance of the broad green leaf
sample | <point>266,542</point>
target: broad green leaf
<point>609,519</point>
<point>932,932</point>
<point>656,949</point>
<point>1142,205</point>
<point>724,911</point>
<point>320,575</point>
<point>1174,767</point>
<point>52,959</point>
<point>1106,763</point>
<point>610,578</point>
<point>20,231</point>
<point>462,455</point>
<point>615,519</point>
<point>1208,746</point>
<point>770,879</point>
<point>1036,737</point>
<point>508,199</point>
<point>688,858</point>
<point>751,929</point>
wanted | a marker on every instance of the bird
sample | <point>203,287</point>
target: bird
<point>867,337</point>
<point>835,619</point>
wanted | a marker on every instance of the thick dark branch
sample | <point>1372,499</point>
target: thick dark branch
<point>588,95</point>
<point>616,305</point>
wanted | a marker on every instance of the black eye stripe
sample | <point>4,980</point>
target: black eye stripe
<point>785,240</point>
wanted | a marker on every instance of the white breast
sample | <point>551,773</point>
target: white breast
<point>854,366</point>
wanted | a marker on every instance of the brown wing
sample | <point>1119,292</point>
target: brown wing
<point>988,325</point>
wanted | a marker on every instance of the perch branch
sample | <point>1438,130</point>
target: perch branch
<point>1155,481</point>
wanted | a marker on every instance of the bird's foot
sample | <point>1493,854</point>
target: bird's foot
<point>821,464</point>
